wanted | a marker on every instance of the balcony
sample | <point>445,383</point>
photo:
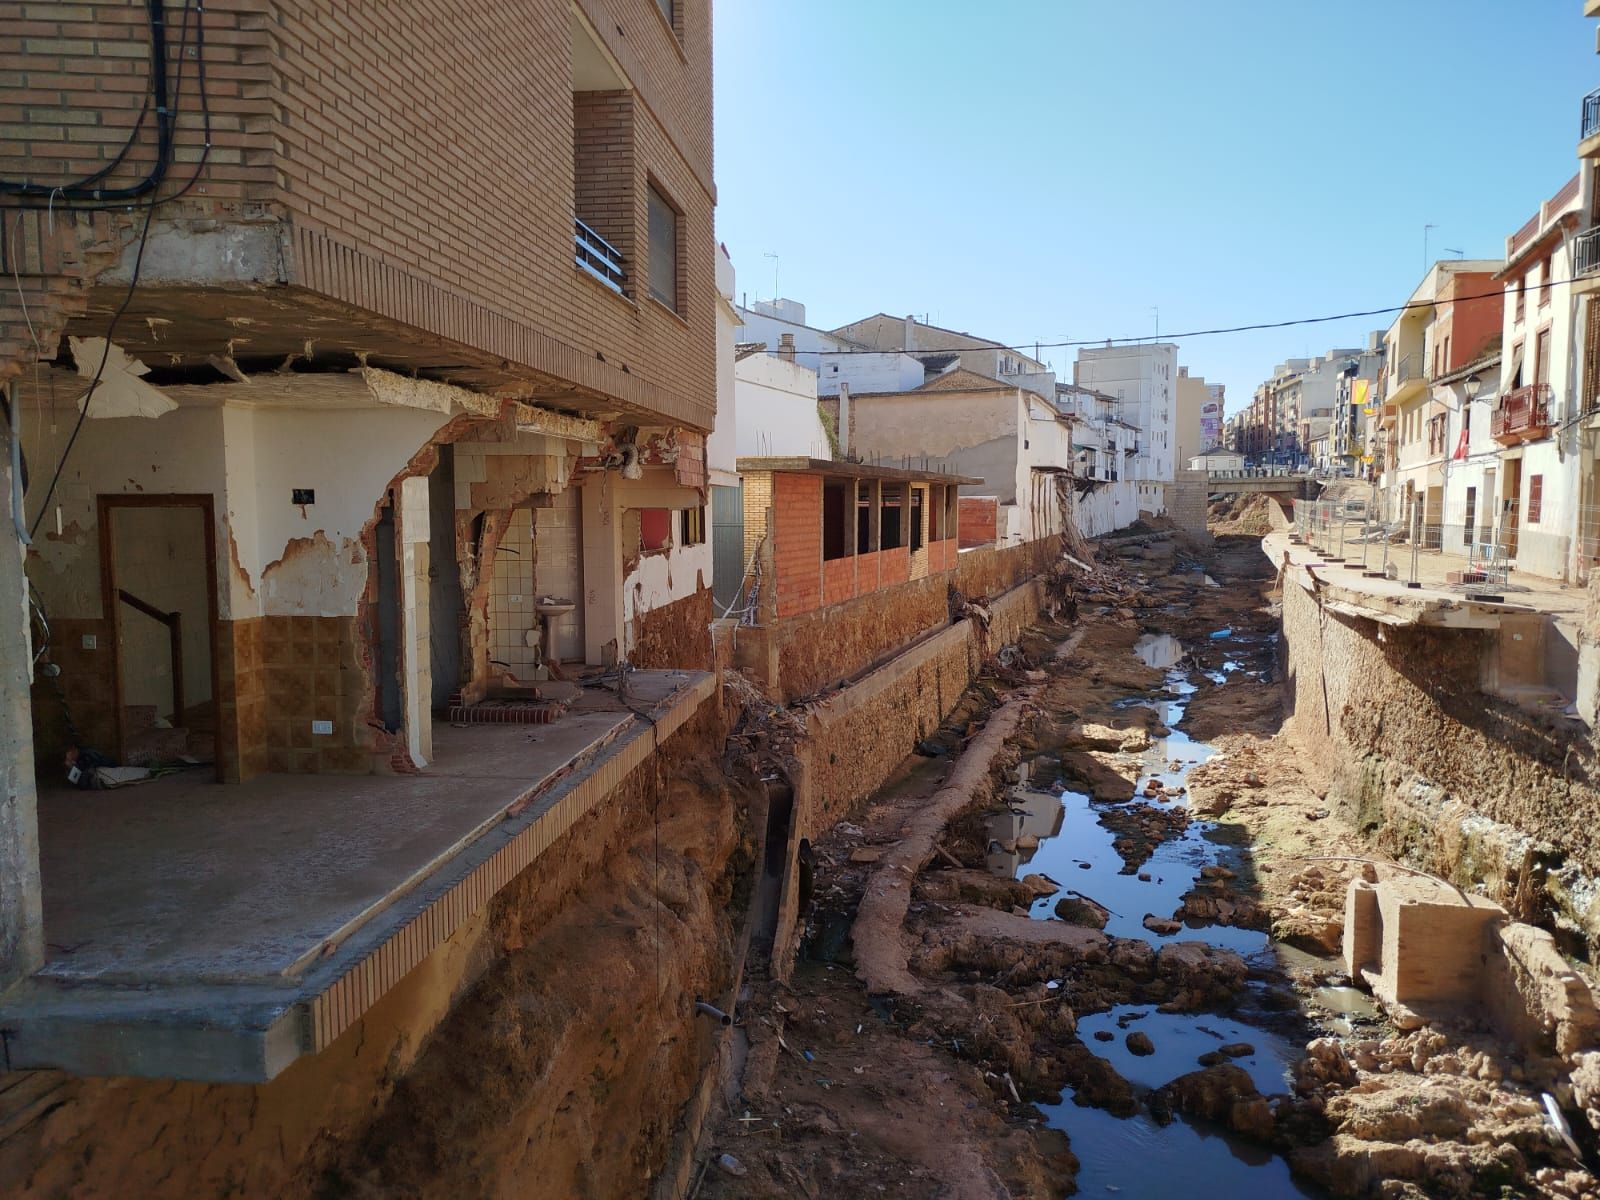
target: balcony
<point>1523,415</point>
<point>1591,122</point>
<point>1586,253</point>
<point>599,257</point>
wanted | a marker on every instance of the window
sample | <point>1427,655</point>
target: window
<point>1535,498</point>
<point>1522,295</point>
<point>890,531</point>
<point>834,494</point>
<point>655,529</point>
<point>916,518</point>
<point>1541,357</point>
<point>692,524</point>
<point>1545,279</point>
<point>1472,512</point>
<point>663,234</point>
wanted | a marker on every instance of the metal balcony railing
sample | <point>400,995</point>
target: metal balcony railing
<point>599,257</point>
<point>1412,366</point>
<point>1586,252</point>
<point>1523,414</point>
<point>1591,114</point>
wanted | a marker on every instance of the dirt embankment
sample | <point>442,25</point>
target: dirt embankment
<point>560,1073</point>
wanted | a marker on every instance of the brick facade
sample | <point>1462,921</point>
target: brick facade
<point>424,155</point>
<point>980,519</point>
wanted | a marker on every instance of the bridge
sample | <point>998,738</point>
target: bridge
<point>1279,481</point>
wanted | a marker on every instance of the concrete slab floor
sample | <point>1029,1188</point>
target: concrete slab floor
<point>186,881</point>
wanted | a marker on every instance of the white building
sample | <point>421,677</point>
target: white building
<point>1142,378</point>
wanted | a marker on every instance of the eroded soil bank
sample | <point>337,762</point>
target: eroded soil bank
<point>1121,956</point>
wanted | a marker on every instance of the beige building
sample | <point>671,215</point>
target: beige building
<point>1192,396</point>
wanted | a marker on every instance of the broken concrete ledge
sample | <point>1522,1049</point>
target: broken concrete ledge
<point>250,1032</point>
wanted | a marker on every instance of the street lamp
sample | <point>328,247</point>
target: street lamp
<point>1470,386</point>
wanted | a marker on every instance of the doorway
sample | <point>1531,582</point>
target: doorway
<point>1511,493</point>
<point>159,587</point>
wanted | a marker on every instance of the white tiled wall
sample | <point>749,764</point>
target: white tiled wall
<point>558,568</point>
<point>511,595</point>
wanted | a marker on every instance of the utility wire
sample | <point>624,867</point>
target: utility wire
<point>1024,347</point>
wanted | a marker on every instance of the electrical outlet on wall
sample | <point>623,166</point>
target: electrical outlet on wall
<point>321,727</point>
<point>91,642</point>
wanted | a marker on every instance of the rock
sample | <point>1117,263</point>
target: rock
<point>929,749</point>
<point>1102,782</point>
<point>1039,885</point>
<point>1212,1092</point>
<point>1252,1117</point>
<point>1076,910</point>
<point>1144,876</point>
<point>1212,1058</point>
<point>1160,925</point>
<point>1138,1042</point>
<point>1104,1035</point>
<point>1238,1049</point>
<point>1027,841</point>
<point>865,855</point>
<point>732,1166</point>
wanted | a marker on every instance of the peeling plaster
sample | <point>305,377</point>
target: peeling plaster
<point>427,394</point>
<point>121,392</point>
<point>315,578</point>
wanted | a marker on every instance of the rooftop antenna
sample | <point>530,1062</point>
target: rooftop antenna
<point>1457,253</point>
<point>774,259</point>
<point>1157,312</point>
<point>1426,229</point>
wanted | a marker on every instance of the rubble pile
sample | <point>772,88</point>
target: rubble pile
<point>1249,515</point>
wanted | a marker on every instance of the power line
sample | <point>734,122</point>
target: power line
<point>1022,348</point>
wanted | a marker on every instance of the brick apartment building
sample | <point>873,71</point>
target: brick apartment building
<point>374,348</point>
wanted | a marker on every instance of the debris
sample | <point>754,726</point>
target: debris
<point>733,1166</point>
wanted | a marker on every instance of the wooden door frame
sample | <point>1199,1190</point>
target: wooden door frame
<point>107,503</point>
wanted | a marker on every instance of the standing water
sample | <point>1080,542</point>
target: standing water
<point>1074,839</point>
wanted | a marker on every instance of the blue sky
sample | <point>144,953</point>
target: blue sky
<point>1038,170</point>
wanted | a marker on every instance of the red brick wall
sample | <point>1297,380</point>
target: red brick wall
<point>797,542</point>
<point>894,566</point>
<point>838,580</point>
<point>978,519</point>
<point>425,151</point>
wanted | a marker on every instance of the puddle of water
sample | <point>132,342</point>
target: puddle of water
<point>1139,1158</point>
<point>1160,650</point>
<point>1180,1039</point>
<point>1346,1002</point>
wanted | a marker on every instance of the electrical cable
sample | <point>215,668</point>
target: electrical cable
<point>1024,347</point>
<point>198,11</point>
<point>105,354</point>
<point>166,119</point>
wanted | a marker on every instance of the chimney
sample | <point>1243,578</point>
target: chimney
<point>844,419</point>
<point>1183,372</point>
<point>786,347</point>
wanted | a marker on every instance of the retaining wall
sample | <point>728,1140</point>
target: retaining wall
<point>1452,780</point>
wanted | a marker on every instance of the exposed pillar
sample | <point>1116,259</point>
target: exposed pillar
<point>603,636</point>
<point>21,907</point>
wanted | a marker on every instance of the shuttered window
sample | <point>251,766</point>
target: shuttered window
<point>1535,498</point>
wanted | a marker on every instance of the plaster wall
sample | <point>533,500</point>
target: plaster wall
<point>722,442</point>
<point>940,426</point>
<point>889,371</point>
<point>776,409</point>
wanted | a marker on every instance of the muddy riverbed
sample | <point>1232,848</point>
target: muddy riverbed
<point>1100,1003</point>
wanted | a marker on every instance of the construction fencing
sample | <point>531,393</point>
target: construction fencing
<point>1485,554</point>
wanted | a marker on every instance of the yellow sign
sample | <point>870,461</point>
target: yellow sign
<point>1358,392</point>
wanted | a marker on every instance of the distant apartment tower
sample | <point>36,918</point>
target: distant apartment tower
<point>1143,379</point>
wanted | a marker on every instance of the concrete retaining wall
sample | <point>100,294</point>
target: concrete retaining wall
<point>1442,775</point>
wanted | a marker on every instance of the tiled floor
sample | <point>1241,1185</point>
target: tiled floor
<point>185,880</point>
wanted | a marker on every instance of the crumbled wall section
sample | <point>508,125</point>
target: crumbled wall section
<point>675,636</point>
<point>1437,771</point>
